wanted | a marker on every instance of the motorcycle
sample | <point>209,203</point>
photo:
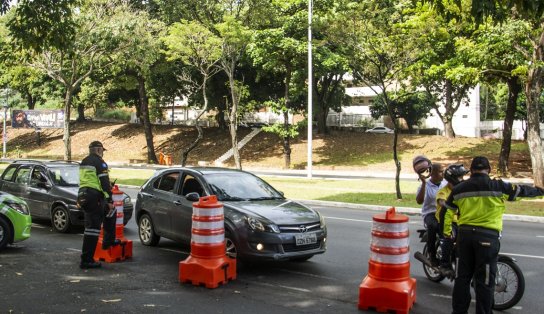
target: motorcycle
<point>509,282</point>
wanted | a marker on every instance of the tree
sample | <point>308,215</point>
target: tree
<point>412,107</point>
<point>199,49</point>
<point>491,50</point>
<point>381,50</point>
<point>235,37</point>
<point>442,68</point>
<point>279,49</point>
<point>70,59</point>
<point>532,12</point>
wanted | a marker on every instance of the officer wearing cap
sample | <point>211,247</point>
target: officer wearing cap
<point>480,204</point>
<point>95,198</point>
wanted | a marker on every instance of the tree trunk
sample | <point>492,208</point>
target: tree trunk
<point>448,116</point>
<point>66,137</point>
<point>31,103</point>
<point>533,89</point>
<point>233,119</point>
<point>391,114</point>
<point>286,143</point>
<point>514,88</point>
<point>199,137</point>
<point>144,105</point>
<point>80,113</point>
<point>322,107</point>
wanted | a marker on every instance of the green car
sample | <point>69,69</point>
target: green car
<point>15,220</point>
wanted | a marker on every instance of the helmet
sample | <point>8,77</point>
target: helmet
<point>422,164</point>
<point>454,172</point>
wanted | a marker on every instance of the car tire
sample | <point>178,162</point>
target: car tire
<point>5,233</point>
<point>146,231</point>
<point>60,219</point>
<point>230,246</point>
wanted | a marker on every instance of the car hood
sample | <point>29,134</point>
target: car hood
<point>280,212</point>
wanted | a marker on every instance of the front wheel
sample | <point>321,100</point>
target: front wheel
<point>509,284</point>
<point>60,219</point>
<point>5,233</point>
<point>432,273</point>
<point>146,231</point>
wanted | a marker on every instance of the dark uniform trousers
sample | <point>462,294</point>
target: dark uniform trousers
<point>477,253</point>
<point>94,206</point>
<point>431,223</point>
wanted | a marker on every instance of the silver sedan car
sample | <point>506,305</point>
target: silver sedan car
<point>259,222</point>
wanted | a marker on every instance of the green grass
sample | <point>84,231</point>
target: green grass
<point>368,191</point>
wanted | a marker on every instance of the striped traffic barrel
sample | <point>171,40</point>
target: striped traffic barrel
<point>118,197</point>
<point>388,286</point>
<point>208,228</point>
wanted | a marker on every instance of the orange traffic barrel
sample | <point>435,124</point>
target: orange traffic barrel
<point>208,263</point>
<point>388,286</point>
<point>123,250</point>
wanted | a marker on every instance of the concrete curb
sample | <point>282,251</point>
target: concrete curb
<point>409,210</point>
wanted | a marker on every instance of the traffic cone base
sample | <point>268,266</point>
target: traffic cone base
<point>115,253</point>
<point>384,296</point>
<point>207,272</point>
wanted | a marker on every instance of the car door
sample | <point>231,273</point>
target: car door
<point>183,210</point>
<point>19,187</point>
<point>161,203</point>
<point>38,191</point>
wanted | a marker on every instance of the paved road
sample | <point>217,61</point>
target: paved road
<point>41,275</point>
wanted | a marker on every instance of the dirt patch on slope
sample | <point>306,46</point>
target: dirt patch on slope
<point>341,150</point>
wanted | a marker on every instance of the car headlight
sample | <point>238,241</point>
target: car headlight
<point>127,200</point>
<point>256,224</point>
<point>19,207</point>
<point>321,221</point>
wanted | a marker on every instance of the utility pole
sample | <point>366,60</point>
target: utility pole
<point>310,89</point>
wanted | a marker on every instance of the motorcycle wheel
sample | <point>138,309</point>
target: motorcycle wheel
<point>432,273</point>
<point>509,284</point>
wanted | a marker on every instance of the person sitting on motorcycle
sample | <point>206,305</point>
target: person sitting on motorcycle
<point>432,180</point>
<point>453,174</point>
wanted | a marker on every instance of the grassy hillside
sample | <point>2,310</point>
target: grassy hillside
<point>342,150</point>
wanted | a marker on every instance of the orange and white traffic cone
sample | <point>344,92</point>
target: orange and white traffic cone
<point>388,286</point>
<point>208,263</point>
<point>123,250</point>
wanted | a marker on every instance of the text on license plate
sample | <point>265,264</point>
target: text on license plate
<point>305,238</point>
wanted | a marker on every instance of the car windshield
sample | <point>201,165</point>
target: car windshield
<point>65,175</point>
<point>239,186</point>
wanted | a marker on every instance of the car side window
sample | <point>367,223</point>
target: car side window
<point>23,175</point>
<point>190,185</point>
<point>8,174</point>
<point>38,176</point>
<point>166,182</point>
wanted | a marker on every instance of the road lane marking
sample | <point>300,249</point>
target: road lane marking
<point>278,286</point>
<point>38,226</point>
<point>540,236</point>
<point>175,251</point>
<point>307,274</point>
<point>523,255</point>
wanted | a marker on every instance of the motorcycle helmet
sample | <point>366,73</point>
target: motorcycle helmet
<point>454,172</point>
<point>422,165</point>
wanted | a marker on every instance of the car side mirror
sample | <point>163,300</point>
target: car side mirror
<point>193,196</point>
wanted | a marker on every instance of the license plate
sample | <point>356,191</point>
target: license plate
<point>305,238</point>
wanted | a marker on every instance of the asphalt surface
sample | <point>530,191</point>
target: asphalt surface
<point>41,275</point>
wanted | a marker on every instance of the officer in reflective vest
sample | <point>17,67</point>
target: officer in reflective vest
<point>480,204</point>
<point>95,198</point>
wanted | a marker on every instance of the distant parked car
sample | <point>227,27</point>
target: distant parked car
<point>50,190</point>
<point>379,129</point>
<point>259,222</point>
<point>15,220</point>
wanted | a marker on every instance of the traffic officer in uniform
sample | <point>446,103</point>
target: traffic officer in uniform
<point>480,204</point>
<point>95,198</point>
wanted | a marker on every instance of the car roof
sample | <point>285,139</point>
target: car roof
<point>47,163</point>
<point>205,170</point>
